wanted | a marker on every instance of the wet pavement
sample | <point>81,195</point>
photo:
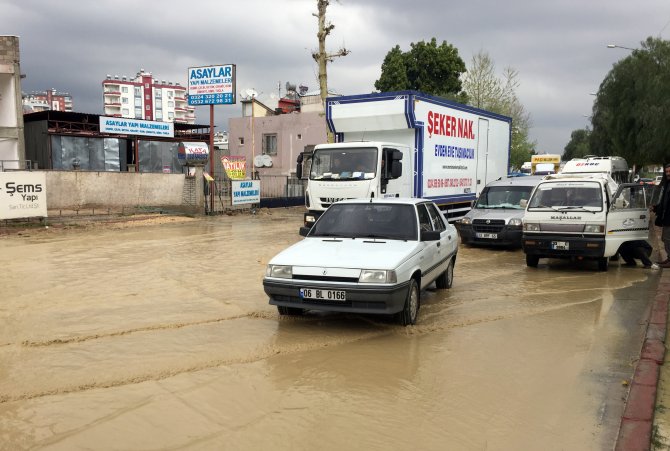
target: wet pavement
<point>161,337</point>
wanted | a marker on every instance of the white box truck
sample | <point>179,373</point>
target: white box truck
<point>406,144</point>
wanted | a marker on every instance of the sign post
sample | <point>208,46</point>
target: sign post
<point>212,85</point>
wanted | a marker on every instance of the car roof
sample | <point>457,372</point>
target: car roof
<point>529,180</point>
<point>389,200</point>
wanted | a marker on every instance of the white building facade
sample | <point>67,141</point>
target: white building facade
<point>145,97</point>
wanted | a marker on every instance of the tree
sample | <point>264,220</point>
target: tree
<point>426,67</point>
<point>579,145</point>
<point>321,56</point>
<point>485,90</point>
<point>632,108</point>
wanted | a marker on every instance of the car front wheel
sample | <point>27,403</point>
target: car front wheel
<point>411,309</point>
<point>532,260</point>
<point>603,263</point>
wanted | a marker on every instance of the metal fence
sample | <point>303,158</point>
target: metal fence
<point>276,191</point>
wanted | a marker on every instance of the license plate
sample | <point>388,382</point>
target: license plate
<point>490,236</point>
<point>560,245</point>
<point>323,295</point>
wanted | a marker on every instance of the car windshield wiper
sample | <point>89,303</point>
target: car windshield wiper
<point>545,206</point>
<point>376,235</point>
<point>575,207</point>
<point>329,235</point>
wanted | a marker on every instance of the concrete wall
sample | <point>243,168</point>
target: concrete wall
<point>84,189</point>
<point>12,147</point>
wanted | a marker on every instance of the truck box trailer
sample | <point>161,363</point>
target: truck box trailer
<point>407,144</point>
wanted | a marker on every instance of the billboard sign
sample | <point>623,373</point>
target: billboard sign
<point>246,192</point>
<point>211,85</point>
<point>125,126</point>
<point>23,195</point>
<point>235,166</point>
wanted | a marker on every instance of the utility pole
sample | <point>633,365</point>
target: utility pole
<point>322,57</point>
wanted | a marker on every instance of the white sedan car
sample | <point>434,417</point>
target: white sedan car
<point>365,256</point>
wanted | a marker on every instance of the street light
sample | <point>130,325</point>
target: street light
<point>614,46</point>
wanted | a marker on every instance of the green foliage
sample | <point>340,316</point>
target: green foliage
<point>632,108</point>
<point>426,67</point>
<point>486,90</point>
<point>579,145</point>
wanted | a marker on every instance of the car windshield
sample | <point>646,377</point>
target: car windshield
<point>344,164</point>
<point>369,220</point>
<point>563,196</point>
<point>503,197</point>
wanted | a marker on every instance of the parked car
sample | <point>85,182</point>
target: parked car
<point>658,180</point>
<point>645,181</point>
<point>365,256</point>
<point>495,219</point>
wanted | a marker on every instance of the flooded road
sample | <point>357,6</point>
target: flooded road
<point>161,337</point>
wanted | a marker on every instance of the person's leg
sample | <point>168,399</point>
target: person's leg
<point>641,254</point>
<point>665,237</point>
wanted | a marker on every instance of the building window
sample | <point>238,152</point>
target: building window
<point>299,135</point>
<point>148,108</point>
<point>170,94</point>
<point>147,97</point>
<point>146,85</point>
<point>138,113</point>
<point>170,115</point>
<point>148,118</point>
<point>138,91</point>
<point>270,144</point>
<point>241,138</point>
<point>124,100</point>
<point>159,115</point>
<point>124,89</point>
<point>159,103</point>
<point>125,111</point>
<point>170,104</point>
<point>138,101</point>
<point>159,94</point>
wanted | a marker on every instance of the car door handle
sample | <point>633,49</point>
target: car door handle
<point>438,244</point>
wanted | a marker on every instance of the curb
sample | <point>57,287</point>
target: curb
<point>638,416</point>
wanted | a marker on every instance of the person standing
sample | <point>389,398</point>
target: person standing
<point>662,210</point>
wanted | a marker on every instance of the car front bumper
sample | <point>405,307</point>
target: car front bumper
<point>507,236</point>
<point>578,246</point>
<point>382,299</point>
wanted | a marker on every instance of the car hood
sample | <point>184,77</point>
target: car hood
<point>348,253</point>
<point>495,213</point>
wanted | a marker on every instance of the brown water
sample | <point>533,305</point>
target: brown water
<point>161,337</point>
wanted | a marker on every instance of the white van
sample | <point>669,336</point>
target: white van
<point>583,217</point>
<point>615,167</point>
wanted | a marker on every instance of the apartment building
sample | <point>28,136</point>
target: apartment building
<point>47,100</point>
<point>145,97</point>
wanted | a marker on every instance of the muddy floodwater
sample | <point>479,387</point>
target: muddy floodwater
<point>160,337</point>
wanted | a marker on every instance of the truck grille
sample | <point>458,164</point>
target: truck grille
<point>488,225</point>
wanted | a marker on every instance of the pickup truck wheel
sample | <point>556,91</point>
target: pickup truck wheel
<point>532,260</point>
<point>411,309</point>
<point>293,311</point>
<point>446,279</point>
<point>603,263</point>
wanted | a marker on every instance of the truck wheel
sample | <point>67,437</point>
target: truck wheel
<point>603,263</point>
<point>532,260</point>
<point>293,311</point>
<point>411,309</point>
<point>446,279</point>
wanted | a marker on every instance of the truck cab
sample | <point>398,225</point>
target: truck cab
<point>354,170</point>
<point>583,217</point>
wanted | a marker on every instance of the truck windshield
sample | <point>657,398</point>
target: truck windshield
<point>503,197</point>
<point>357,163</point>
<point>374,221</point>
<point>563,196</point>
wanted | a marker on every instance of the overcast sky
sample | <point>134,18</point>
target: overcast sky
<point>559,48</point>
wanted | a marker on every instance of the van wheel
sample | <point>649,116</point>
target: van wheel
<point>293,311</point>
<point>603,263</point>
<point>532,260</point>
<point>411,309</point>
<point>446,279</point>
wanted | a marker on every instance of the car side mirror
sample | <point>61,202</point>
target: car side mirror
<point>430,235</point>
<point>304,231</point>
<point>523,203</point>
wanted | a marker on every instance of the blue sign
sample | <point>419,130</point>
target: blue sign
<point>211,85</point>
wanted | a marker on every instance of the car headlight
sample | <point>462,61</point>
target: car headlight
<point>377,276</point>
<point>531,227</point>
<point>466,221</point>
<point>515,222</point>
<point>594,228</point>
<point>281,271</point>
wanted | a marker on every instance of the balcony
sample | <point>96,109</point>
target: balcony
<point>113,104</point>
<point>113,93</point>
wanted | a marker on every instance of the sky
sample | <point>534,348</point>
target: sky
<point>558,48</point>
